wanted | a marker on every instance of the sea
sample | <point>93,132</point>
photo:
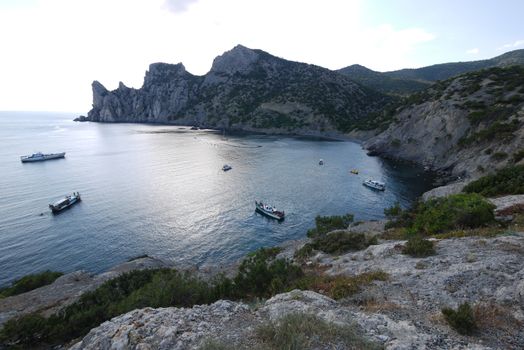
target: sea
<point>159,190</point>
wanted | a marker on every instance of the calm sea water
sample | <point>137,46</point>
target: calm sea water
<point>159,190</point>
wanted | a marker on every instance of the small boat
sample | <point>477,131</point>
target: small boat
<point>226,167</point>
<point>377,185</point>
<point>37,157</point>
<point>65,202</point>
<point>194,127</point>
<point>321,162</point>
<point>354,171</point>
<point>269,210</point>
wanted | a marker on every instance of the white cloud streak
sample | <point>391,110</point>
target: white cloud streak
<point>474,51</point>
<point>513,45</point>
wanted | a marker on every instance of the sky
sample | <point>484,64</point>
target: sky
<point>52,50</point>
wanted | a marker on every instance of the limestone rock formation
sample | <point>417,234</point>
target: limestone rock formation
<point>245,89</point>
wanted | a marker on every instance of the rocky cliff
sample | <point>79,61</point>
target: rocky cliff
<point>400,313</point>
<point>466,125</point>
<point>245,89</point>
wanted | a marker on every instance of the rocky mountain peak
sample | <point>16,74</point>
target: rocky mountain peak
<point>160,73</point>
<point>238,59</point>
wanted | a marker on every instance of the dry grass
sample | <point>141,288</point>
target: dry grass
<point>338,287</point>
<point>305,331</point>
<point>496,318</point>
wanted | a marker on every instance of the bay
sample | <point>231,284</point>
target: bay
<point>160,190</point>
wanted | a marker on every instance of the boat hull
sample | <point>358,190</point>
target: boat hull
<point>29,159</point>
<point>61,207</point>
<point>374,187</point>
<point>273,215</point>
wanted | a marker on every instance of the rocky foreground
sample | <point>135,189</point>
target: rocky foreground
<point>401,313</point>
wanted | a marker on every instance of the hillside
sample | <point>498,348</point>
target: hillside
<point>382,82</point>
<point>245,89</point>
<point>465,125</point>
<point>406,81</point>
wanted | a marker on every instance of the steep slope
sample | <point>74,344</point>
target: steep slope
<point>245,89</point>
<point>465,125</point>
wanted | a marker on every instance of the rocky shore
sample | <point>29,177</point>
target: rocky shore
<point>401,312</point>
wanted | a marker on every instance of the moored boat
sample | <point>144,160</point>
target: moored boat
<point>269,211</point>
<point>226,167</point>
<point>37,157</point>
<point>354,171</point>
<point>321,162</point>
<point>65,202</point>
<point>376,185</point>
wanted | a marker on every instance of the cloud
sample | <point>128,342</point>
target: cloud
<point>177,6</point>
<point>473,51</point>
<point>512,45</point>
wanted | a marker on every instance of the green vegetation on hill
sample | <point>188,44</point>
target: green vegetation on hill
<point>261,274</point>
<point>441,215</point>
<point>382,82</point>
<point>509,180</point>
<point>30,282</point>
<point>330,236</point>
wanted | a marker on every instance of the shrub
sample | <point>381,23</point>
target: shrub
<point>393,211</point>
<point>30,282</point>
<point>325,224</point>
<point>452,212</point>
<point>462,320</point>
<point>517,156</point>
<point>306,331</point>
<point>342,241</point>
<point>498,156</point>
<point>418,247</point>
<point>260,275</point>
<point>338,287</point>
<point>509,180</point>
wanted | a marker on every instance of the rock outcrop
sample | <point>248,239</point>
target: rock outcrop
<point>403,312</point>
<point>66,289</point>
<point>466,126</point>
<point>245,89</point>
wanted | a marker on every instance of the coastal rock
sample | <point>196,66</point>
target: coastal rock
<point>81,118</point>
<point>67,289</point>
<point>444,191</point>
<point>245,89</point>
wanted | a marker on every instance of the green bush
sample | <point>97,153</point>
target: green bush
<point>260,274</point>
<point>518,156</point>
<point>453,212</point>
<point>30,282</point>
<point>342,241</point>
<point>498,156</point>
<point>306,331</point>
<point>418,247</point>
<point>509,180</point>
<point>462,320</point>
<point>325,224</point>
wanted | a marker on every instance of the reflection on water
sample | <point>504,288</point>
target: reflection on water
<point>160,190</point>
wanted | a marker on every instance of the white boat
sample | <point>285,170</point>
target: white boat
<point>226,167</point>
<point>321,162</point>
<point>270,211</point>
<point>377,185</point>
<point>65,202</point>
<point>37,157</point>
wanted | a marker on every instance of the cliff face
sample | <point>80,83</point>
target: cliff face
<point>245,89</point>
<point>466,125</point>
